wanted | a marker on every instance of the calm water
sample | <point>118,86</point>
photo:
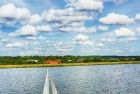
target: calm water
<point>108,79</point>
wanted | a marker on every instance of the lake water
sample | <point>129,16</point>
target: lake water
<point>102,79</point>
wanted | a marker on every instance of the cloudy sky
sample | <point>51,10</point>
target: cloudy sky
<point>69,27</point>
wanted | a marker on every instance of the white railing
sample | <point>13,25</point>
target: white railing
<point>49,87</point>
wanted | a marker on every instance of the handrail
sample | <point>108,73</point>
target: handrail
<point>49,87</point>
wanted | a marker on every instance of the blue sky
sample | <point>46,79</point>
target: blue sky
<point>69,27</point>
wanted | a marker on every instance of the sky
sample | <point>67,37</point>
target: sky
<point>69,27</point>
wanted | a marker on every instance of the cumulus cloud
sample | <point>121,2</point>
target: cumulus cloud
<point>10,12</point>
<point>124,32</point>
<point>68,20</point>
<point>78,29</point>
<point>26,30</point>
<point>116,1</point>
<point>29,30</point>
<point>16,44</point>
<point>119,1</point>
<point>72,24</point>
<point>31,38</point>
<point>65,15</point>
<point>45,28</point>
<point>96,5</point>
<point>35,19</point>
<point>103,28</point>
<point>100,44</point>
<point>138,31</point>
<point>61,46</point>
<point>114,18</point>
<point>23,13</point>
<point>75,27</point>
<point>41,38</point>
<point>82,40</point>
<point>4,40</point>
<point>137,17</point>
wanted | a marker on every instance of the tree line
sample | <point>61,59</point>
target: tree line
<point>64,59</point>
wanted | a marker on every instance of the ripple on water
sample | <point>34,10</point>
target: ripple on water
<point>107,79</point>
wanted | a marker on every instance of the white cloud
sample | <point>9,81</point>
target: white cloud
<point>138,31</point>
<point>82,40</point>
<point>11,12</point>
<point>45,28</point>
<point>60,46</point>
<point>68,20</point>
<point>75,27</point>
<point>124,32</point>
<point>16,2</point>
<point>132,50</point>
<point>72,24</point>
<point>23,13</point>
<point>35,19</point>
<point>31,38</point>
<point>137,17</point>
<point>78,29</point>
<point>81,37</point>
<point>114,18</point>
<point>119,1</point>
<point>103,28</point>
<point>26,30</point>
<point>4,40</point>
<point>8,11</point>
<point>100,44</point>
<point>16,44</point>
<point>41,38</point>
<point>96,5</point>
<point>116,1</point>
<point>65,15</point>
<point>30,53</point>
<point>29,30</point>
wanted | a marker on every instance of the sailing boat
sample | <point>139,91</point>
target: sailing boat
<point>49,87</point>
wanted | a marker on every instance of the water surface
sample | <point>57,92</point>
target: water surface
<point>102,79</point>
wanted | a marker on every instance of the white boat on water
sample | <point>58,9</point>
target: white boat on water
<point>49,87</point>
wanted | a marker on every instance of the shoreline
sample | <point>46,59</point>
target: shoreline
<point>66,64</point>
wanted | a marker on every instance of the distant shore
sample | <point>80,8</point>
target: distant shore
<point>67,64</point>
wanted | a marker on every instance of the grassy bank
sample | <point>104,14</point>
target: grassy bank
<point>67,64</point>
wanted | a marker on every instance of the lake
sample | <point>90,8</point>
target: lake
<point>101,79</point>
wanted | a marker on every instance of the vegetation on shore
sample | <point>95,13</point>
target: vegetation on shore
<point>67,64</point>
<point>38,61</point>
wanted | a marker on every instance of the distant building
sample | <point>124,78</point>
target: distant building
<point>55,61</point>
<point>31,60</point>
